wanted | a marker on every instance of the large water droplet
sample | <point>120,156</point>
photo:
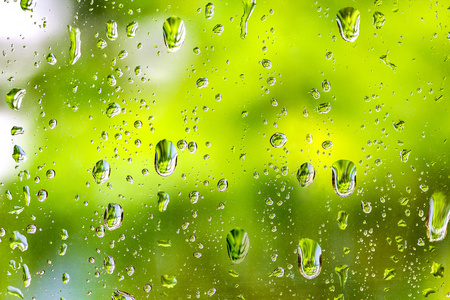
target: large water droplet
<point>120,295</point>
<point>26,275</point>
<point>14,98</point>
<point>342,219</point>
<point>132,28</point>
<point>342,272</point>
<point>174,33</point>
<point>348,23</point>
<point>249,6</point>
<point>168,281</point>
<point>113,109</point>
<point>238,245</point>
<point>344,177</point>
<point>438,217</point>
<point>101,171</point>
<point>309,258</point>
<point>18,154</point>
<point>18,241</point>
<point>278,140</point>
<point>165,158</point>
<point>306,174</point>
<point>75,44</point>
<point>378,19</point>
<point>111,30</point>
<point>109,264</point>
<point>27,5</point>
<point>15,292</point>
<point>163,201</point>
<point>113,216</point>
<point>209,10</point>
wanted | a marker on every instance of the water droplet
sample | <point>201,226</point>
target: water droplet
<point>326,86</point>
<point>113,216</point>
<point>164,243</point>
<point>132,28</point>
<point>389,273</point>
<point>366,207</point>
<point>193,196</point>
<point>13,290</point>
<point>385,59</point>
<point>278,272</point>
<point>309,258</point>
<point>324,108</point>
<point>218,29</point>
<point>51,59</point>
<point>15,130</point>
<point>202,82</point>
<point>14,98</point>
<point>327,145</point>
<point>315,93</point>
<point>309,138</point>
<point>75,44</point>
<point>278,140</point>
<point>18,241</point>
<point>342,272</point>
<point>101,44</point>
<point>266,63</point>
<point>147,288</point>
<point>27,5</point>
<point>182,144</point>
<point>65,278</point>
<point>209,10</point>
<point>113,109</point>
<point>31,229</point>
<point>348,23</point>
<point>42,195</point>
<point>342,219</point>
<point>111,30</point>
<point>163,201</point>
<point>109,264</point>
<point>344,177</point>
<point>174,33</point>
<point>63,249</point>
<point>18,154</point>
<point>437,270</point>
<point>404,155</point>
<point>26,275</point>
<point>168,281</point>
<point>64,234</point>
<point>120,295</point>
<point>111,80</point>
<point>378,19</point>
<point>306,174</point>
<point>165,158</point>
<point>274,102</point>
<point>222,185</point>
<point>101,171</point>
<point>438,217</point>
<point>399,125</point>
<point>192,147</point>
<point>238,245</point>
<point>249,6</point>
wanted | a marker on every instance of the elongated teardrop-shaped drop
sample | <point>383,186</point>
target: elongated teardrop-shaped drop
<point>309,258</point>
<point>238,245</point>
<point>163,201</point>
<point>165,158</point>
<point>344,177</point>
<point>249,7</point>
<point>75,44</point>
<point>438,217</point>
<point>101,171</point>
<point>14,98</point>
<point>113,216</point>
<point>174,33</point>
<point>348,23</point>
<point>306,174</point>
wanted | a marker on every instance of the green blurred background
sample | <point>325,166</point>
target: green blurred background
<point>302,41</point>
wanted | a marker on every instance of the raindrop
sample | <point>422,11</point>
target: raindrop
<point>192,147</point>
<point>163,201</point>
<point>182,144</point>
<point>75,44</point>
<point>348,23</point>
<point>222,185</point>
<point>113,216</point>
<point>309,258</point>
<point>326,86</point>
<point>278,140</point>
<point>404,155</point>
<point>13,290</point>
<point>315,93</point>
<point>249,6</point>
<point>51,59</point>
<point>14,98</point>
<point>193,196</point>
<point>327,145</point>
<point>366,206</point>
<point>324,108</point>
<point>27,5</point>
<point>218,29</point>
<point>238,245</point>
<point>132,28</point>
<point>42,195</point>
<point>378,19</point>
<point>120,295</point>
<point>109,264</point>
<point>168,281</point>
<point>113,109</point>
<point>209,10</point>
<point>342,219</point>
<point>399,125</point>
<point>65,278</point>
<point>18,241</point>
<point>101,171</point>
<point>202,82</point>
<point>111,30</point>
<point>344,177</point>
<point>306,174</point>
<point>18,154</point>
<point>266,63</point>
<point>278,272</point>
<point>438,217</point>
<point>342,272</point>
<point>174,33</point>
<point>165,158</point>
<point>26,276</point>
<point>15,130</point>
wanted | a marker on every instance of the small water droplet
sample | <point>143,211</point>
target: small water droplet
<point>238,245</point>
<point>437,270</point>
<point>192,147</point>
<point>113,216</point>
<point>109,263</point>
<point>404,155</point>
<point>278,140</point>
<point>27,5</point>
<point>16,130</point>
<point>315,93</point>
<point>222,185</point>
<point>168,281</point>
<point>111,30</point>
<point>324,108</point>
<point>266,63</point>
<point>278,272</point>
<point>163,201</point>
<point>65,278</point>
<point>327,145</point>
<point>389,273</point>
<point>218,29</point>
<point>348,23</point>
<point>306,174</point>
<point>344,177</point>
<point>366,206</point>
<point>26,276</point>
<point>326,86</point>
<point>342,219</point>
<point>51,59</point>
<point>174,33</point>
<point>399,125</point>
<point>202,82</point>
<point>309,258</point>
